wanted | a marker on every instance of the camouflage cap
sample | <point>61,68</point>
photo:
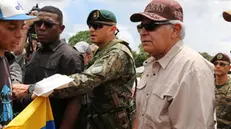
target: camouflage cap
<point>227,15</point>
<point>160,10</point>
<point>220,56</point>
<point>102,16</point>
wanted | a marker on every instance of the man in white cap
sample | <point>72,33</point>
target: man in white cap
<point>12,19</point>
<point>86,50</point>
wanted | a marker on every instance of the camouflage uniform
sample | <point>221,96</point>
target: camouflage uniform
<point>223,105</point>
<point>112,70</point>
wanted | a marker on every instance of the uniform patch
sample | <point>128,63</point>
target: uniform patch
<point>96,69</point>
<point>219,56</point>
<point>96,14</point>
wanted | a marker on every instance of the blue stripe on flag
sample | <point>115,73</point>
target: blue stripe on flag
<point>49,125</point>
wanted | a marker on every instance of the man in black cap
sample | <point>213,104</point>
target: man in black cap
<point>221,62</point>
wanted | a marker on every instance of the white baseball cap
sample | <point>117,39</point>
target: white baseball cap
<point>12,10</point>
<point>82,47</point>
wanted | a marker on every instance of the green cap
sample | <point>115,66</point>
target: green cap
<point>102,16</point>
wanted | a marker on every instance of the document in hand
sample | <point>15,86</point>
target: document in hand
<point>46,86</point>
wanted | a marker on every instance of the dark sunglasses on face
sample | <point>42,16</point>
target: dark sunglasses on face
<point>151,26</point>
<point>97,26</point>
<point>220,64</point>
<point>48,24</point>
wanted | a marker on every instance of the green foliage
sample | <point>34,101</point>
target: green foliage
<point>206,55</point>
<point>85,36</point>
<point>80,36</point>
<point>140,57</point>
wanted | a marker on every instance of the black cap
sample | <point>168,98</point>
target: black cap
<point>220,56</point>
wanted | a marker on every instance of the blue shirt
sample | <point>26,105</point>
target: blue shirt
<point>6,112</point>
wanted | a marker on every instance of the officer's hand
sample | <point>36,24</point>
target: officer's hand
<point>20,90</point>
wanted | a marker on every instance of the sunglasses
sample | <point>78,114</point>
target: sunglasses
<point>151,26</point>
<point>48,24</point>
<point>97,26</point>
<point>220,64</point>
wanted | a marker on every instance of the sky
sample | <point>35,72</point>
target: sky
<point>206,30</point>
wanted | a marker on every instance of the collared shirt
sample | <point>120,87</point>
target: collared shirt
<point>176,91</point>
<point>58,57</point>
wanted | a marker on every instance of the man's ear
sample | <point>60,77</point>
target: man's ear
<point>114,28</point>
<point>176,30</point>
<point>62,27</point>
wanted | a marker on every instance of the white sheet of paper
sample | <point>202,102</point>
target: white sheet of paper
<point>46,86</point>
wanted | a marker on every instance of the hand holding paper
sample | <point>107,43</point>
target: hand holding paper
<point>46,86</point>
<point>20,90</point>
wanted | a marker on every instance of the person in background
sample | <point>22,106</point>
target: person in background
<point>221,63</point>
<point>86,50</point>
<point>15,69</point>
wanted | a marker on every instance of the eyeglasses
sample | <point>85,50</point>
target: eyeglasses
<point>97,26</point>
<point>220,64</point>
<point>48,24</point>
<point>151,26</point>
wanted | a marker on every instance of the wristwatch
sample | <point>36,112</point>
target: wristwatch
<point>31,88</point>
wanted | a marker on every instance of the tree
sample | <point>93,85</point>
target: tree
<point>85,36</point>
<point>206,55</point>
<point>80,36</point>
<point>140,57</point>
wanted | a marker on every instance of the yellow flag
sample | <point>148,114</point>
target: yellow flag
<point>37,115</point>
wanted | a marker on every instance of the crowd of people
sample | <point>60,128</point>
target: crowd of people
<point>178,89</point>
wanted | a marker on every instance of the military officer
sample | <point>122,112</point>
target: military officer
<point>106,84</point>
<point>221,63</point>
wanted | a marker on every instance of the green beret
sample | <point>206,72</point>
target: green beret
<point>220,56</point>
<point>102,16</point>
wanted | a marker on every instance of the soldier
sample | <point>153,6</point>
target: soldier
<point>106,84</point>
<point>222,93</point>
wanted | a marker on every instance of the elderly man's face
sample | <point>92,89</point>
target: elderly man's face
<point>155,41</point>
